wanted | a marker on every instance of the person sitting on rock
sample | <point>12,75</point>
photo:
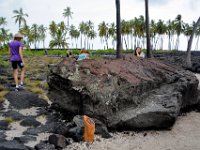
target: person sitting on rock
<point>138,52</point>
<point>83,55</point>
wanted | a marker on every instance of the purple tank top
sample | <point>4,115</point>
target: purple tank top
<point>14,47</point>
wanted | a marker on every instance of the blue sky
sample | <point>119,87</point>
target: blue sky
<point>44,11</point>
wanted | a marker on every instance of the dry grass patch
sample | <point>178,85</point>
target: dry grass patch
<point>34,67</point>
<point>2,96</point>
<point>2,88</point>
<point>44,85</point>
<point>35,90</point>
<point>34,86</point>
<point>32,83</point>
<point>8,120</point>
<point>44,97</point>
<point>3,92</point>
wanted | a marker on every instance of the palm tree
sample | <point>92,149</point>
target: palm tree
<point>161,29</point>
<point>3,21</point>
<point>139,30</point>
<point>188,57</point>
<point>26,31</point>
<point>118,22</point>
<point>187,30</point>
<point>178,28</point>
<point>67,13</point>
<point>53,28</point>
<point>35,34</point>
<point>103,32</point>
<point>58,34</point>
<point>42,33</point>
<point>3,31</point>
<point>74,33</point>
<point>112,32</point>
<point>72,29</point>
<point>91,35</point>
<point>82,29</point>
<point>197,35</point>
<point>170,32</point>
<point>62,26</point>
<point>89,30</point>
<point>125,30</point>
<point>135,25</point>
<point>20,16</point>
<point>132,31</point>
<point>147,29</point>
<point>58,40</point>
<point>4,36</point>
<point>153,34</point>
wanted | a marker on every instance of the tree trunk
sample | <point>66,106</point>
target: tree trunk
<point>147,29</point>
<point>125,43</point>
<point>188,57</point>
<point>106,39</point>
<point>81,41</point>
<point>169,42</point>
<point>197,44</point>
<point>43,44</point>
<point>118,22</point>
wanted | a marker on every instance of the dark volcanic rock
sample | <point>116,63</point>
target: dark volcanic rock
<point>178,58</point>
<point>24,99</point>
<point>58,141</point>
<point>124,94</point>
<point>3,125</point>
<point>12,145</point>
<point>195,67</point>
<point>101,129</point>
<point>14,115</point>
<point>25,139</point>
<point>45,146</point>
<point>50,127</point>
<point>2,136</point>
<point>30,121</point>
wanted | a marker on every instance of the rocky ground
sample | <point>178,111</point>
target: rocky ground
<point>26,119</point>
<point>33,123</point>
<point>184,135</point>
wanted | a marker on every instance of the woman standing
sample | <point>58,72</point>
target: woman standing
<point>17,60</point>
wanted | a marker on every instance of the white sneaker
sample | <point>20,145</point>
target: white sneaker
<point>21,86</point>
<point>16,88</point>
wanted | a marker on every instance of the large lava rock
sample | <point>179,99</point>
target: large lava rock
<point>126,93</point>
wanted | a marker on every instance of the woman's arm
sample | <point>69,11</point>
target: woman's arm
<point>21,54</point>
<point>10,53</point>
<point>138,54</point>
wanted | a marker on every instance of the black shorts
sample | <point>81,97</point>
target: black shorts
<point>17,63</point>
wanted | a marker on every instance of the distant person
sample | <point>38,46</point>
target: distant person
<point>138,52</point>
<point>83,55</point>
<point>69,54</point>
<point>17,59</point>
<point>46,51</point>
